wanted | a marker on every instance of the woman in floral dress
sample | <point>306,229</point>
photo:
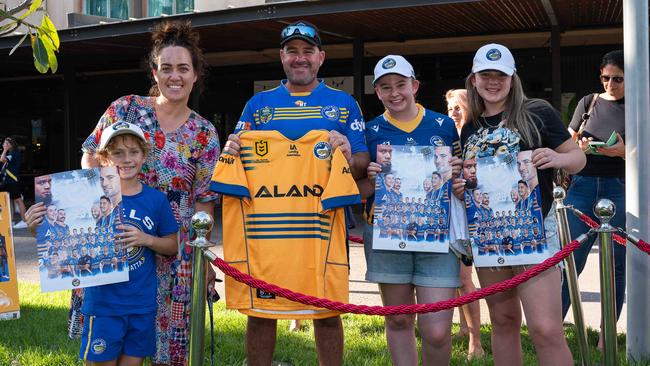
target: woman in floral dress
<point>184,151</point>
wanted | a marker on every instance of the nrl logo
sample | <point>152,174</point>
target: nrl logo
<point>261,147</point>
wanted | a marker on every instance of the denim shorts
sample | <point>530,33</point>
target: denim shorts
<point>416,268</point>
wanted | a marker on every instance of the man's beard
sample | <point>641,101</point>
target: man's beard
<point>471,183</point>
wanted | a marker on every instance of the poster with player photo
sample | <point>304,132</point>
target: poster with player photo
<point>75,241</point>
<point>9,304</point>
<point>412,198</point>
<point>504,212</point>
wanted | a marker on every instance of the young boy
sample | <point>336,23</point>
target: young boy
<point>120,318</point>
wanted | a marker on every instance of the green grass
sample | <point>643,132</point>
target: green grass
<point>39,337</point>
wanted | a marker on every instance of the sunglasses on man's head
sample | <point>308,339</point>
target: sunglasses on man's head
<point>301,29</point>
<point>616,79</point>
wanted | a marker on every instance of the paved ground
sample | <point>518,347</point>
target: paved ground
<point>361,292</point>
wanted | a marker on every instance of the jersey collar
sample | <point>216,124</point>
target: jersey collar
<point>305,94</point>
<point>406,126</point>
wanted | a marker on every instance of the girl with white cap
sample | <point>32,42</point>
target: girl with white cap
<point>497,101</point>
<point>406,277</point>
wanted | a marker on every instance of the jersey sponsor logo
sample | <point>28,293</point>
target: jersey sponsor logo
<point>330,112</point>
<point>375,128</point>
<point>261,147</point>
<point>241,125</point>
<point>261,294</point>
<point>300,103</point>
<point>266,114</point>
<point>436,141</point>
<point>322,150</point>
<point>346,171</point>
<point>440,121</point>
<point>293,191</point>
<point>293,150</point>
<point>98,346</point>
<point>493,55</point>
<point>147,221</point>
<point>226,160</point>
<point>357,125</point>
<point>389,63</point>
<point>411,141</point>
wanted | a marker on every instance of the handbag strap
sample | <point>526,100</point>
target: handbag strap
<point>585,116</point>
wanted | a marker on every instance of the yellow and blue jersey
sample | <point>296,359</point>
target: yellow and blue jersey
<point>283,221</point>
<point>295,114</point>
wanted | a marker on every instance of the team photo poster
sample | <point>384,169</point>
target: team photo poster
<point>504,212</point>
<point>76,246</point>
<point>412,196</point>
<point>9,305</point>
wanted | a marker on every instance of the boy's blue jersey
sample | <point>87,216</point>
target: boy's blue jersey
<point>150,212</point>
<point>295,114</point>
<point>429,128</point>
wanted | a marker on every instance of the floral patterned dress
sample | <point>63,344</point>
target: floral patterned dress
<point>180,165</point>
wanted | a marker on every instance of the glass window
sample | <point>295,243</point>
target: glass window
<point>118,9</point>
<point>157,7</point>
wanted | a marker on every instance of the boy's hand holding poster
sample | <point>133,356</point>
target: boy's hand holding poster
<point>504,210</point>
<point>412,196</point>
<point>76,239</point>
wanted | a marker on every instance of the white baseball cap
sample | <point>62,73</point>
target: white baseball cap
<point>494,57</point>
<point>120,128</point>
<point>393,64</point>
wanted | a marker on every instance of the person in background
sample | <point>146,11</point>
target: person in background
<point>604,174</point>
<point>470,314</point>
<point>11,159</point>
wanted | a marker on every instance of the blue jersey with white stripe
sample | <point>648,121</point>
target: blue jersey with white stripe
<point>295,114</point>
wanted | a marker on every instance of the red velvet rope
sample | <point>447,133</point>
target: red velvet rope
<point>593,224</point>
<point>644,246</point>
<point>398,309</point>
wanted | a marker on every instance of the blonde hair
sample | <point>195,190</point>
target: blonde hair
<point>102,154</point>
<point>460,96</point>
<point>516,115</point>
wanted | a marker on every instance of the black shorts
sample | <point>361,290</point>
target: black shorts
<point>14,191</point>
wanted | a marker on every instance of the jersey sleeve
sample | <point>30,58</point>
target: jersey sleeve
<point>229,177</point>
<point>166,221</point>
<point>341,189</point>
<point>355,127</point>
<point>115,112</point>
<point>247,118</point>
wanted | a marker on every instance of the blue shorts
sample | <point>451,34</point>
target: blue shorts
<point>105,338</point>
<point>418,268</point>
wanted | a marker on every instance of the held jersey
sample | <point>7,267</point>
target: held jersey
<point>283,221</point>
<point>295,114</point>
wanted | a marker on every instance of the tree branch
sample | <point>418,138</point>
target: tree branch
<point>24,5</point>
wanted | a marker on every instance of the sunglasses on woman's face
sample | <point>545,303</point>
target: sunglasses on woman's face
<point>607,78</point>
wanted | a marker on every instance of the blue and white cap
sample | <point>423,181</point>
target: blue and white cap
<point>393,64</point>
<point>120,128</point>
<point>494,57</point>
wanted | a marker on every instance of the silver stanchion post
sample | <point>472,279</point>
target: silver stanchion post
<point>572,278</point>
<point>201,223</point>
<point>605,210</point>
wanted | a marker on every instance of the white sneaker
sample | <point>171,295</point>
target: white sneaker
<point>20,225</point>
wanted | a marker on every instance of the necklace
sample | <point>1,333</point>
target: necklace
<point>488,124</point>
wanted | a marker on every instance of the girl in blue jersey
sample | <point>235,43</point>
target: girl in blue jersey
<point>120,318</point>
<point>500,117</point>
<point>407,277</point>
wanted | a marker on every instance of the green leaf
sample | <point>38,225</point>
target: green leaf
<point>18,44</point>
<point>32,8</point>
<point>50,30</point>
<point>51,56</point>
<point>40,55</point>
